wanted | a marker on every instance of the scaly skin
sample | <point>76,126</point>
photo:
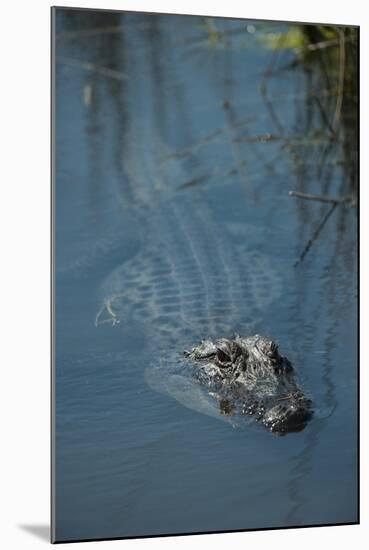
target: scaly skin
<point>249,376</point>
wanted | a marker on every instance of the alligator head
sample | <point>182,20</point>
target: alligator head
<point>249,376</point>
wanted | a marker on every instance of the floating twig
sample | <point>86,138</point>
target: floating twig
<point>87,66</point>
<point>323,44</point>
<point>263,138</point>
<point>315,234</point>
<point>194,181</point>
<point>269,106</point>
<point>323,114</point>
<point>341,79</point>
<point>183,153</point>
<point>320,198</point>
<point>264,89</point>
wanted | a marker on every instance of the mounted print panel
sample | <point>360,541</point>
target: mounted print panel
<point>205,254</point>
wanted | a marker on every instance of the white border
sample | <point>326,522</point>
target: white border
<point>25,240</point>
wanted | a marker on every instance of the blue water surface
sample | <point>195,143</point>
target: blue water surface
<point>147,108</point>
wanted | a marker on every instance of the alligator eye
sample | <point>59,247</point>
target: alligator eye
<point>222,356</point>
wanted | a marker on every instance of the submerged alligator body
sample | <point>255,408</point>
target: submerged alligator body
<point>248,376</point>
<point>197,273</point>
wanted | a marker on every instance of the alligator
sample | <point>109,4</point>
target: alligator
<point>248,376</point>
<point>198,274</point>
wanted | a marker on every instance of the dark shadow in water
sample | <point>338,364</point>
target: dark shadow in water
<point>40,531</point>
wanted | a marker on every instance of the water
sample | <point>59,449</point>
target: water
<point>156,112</point>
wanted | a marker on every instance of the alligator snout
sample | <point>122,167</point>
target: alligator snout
<point>291,416</point>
